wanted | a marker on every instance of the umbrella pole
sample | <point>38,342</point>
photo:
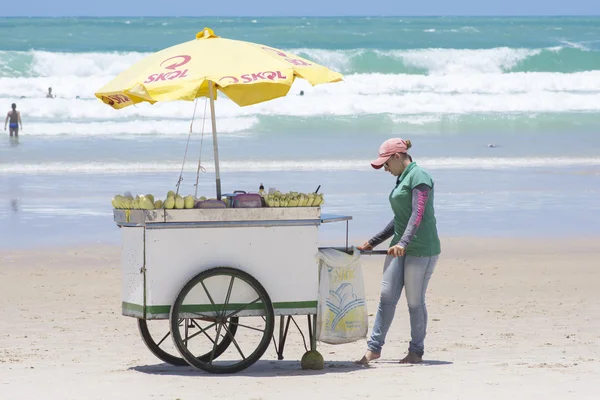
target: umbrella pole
<point>211,89</point>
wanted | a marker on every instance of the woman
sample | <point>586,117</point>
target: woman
<point>413,252</point>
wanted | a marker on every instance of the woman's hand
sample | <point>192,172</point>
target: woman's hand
<point>396,251</point>
<point>365,247</point>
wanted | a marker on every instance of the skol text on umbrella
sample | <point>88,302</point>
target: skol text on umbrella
<point>247,78</point>
<point>171,64</point>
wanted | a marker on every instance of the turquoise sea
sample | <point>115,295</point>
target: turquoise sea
<point>504,113</point>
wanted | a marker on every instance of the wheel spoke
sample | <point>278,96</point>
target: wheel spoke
<point>212,353</point>
<point>234,342</point>
<point>204,331</point>
<point>228,295</point>
<point>186,328</point>
<point>209,297</point>
<point>163,339</point>
<point>246,326</point>
<point>242,308</point>
<point>199,332</point>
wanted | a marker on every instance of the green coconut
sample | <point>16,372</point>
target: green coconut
<point>312,360</point>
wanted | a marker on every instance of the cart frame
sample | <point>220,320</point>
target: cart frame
<point>156,225</point>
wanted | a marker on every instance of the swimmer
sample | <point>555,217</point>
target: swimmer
<point>15,120</point>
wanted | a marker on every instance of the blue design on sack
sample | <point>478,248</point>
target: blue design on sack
<point>342,301</point>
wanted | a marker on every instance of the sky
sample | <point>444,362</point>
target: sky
<point>191,8</point>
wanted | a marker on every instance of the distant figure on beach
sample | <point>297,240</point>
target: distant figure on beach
<point>50,95</point>
<point>302,93</point>
<point>14,205</point>
<point>13,120</point>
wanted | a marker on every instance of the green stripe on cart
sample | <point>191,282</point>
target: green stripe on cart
<point>199,308</point>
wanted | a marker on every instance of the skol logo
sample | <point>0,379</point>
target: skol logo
<point>171,64</point>
<point>117,99</point>
<point>248,78</point>
<point>290,59</point>
<point>343,274</point>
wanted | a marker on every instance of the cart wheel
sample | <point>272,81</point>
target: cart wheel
<point>227,298</point>
<point>155,346</point>
<point>164,349</point>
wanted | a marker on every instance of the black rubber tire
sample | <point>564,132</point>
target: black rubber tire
<point>175,359</point>
<point>203,363</point>
<point>155,349</point>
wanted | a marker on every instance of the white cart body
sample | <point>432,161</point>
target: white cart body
<point>164,249</point>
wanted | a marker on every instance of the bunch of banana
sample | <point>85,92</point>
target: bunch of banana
<point>118,202</point>
<point>147,202</point>
<point>293,199</point>
<point>176,201</point>
<point>140,202</point>
<point>123,202</point>
<point>317,200</point>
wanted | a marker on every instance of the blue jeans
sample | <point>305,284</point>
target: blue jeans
<point>412,273</point>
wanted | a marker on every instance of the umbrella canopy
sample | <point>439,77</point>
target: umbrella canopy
<point>248,73</point>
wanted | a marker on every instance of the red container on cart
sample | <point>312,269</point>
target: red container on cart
<point>210,204</point>
<point>247,200</point>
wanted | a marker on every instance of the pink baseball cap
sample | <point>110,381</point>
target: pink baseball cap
<point>388,149</point>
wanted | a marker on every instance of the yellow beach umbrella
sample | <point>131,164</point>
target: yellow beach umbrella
<point>248,73</point>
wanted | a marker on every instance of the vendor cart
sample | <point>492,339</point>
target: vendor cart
<point>220,277</point>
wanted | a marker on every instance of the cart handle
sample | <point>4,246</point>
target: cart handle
<point>362,252</point>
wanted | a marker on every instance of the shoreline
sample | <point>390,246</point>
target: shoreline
<point>492,203</point>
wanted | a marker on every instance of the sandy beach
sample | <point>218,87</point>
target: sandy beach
<point>508,319</point>
<point>502,110</point>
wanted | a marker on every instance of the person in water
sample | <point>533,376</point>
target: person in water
<point>50,95</point>
<point>13,120</point>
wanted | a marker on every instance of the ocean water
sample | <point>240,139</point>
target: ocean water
<point>454,86</point>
